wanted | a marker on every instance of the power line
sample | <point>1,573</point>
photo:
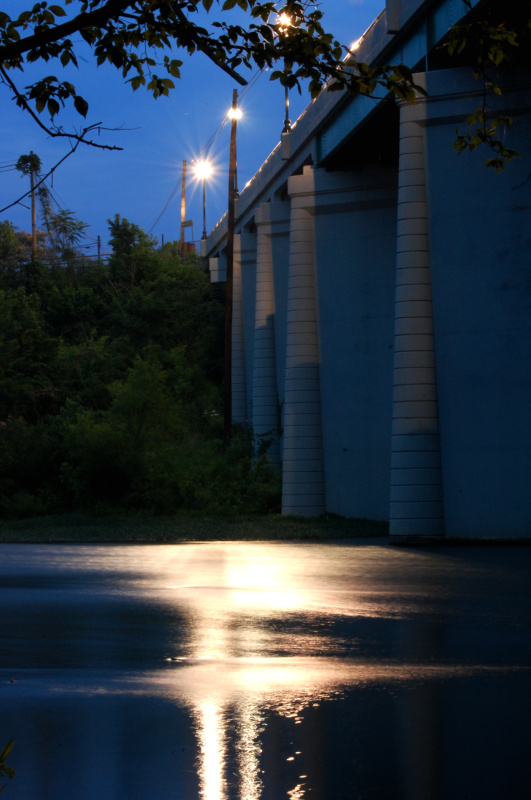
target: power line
<point>205,150</point>
<point>168,201</point>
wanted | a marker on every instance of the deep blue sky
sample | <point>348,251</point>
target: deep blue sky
<point>158,134</point>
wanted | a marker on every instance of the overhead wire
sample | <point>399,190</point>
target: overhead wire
<point>8,166</point>
<point>168,202</point>
<point>94,241</point>
<point>205,150</point>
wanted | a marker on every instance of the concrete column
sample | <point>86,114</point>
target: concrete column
<point>239,394</point>
<point>416,510</point>
<point>303,484</point>
<point>265,395</point>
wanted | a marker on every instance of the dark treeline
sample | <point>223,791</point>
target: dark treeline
<point>111,385</point>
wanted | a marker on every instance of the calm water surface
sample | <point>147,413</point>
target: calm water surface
<point>266,671</point>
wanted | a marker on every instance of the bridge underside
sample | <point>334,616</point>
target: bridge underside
<point>382,321</point>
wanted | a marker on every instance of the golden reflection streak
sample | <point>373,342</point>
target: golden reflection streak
<point>297,793</point>
<point>249,728</point>
<point>227,586</point>
<point>212,743</point>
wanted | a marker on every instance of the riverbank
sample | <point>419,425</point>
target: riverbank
<point>151,530</point>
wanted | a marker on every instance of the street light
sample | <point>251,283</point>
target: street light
<point>234,115</point>
<point>284,22</point>
<point>203,170</point>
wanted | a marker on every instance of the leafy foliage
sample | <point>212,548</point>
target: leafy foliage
<point>29,163</point>
<point>15,252</point>
<point>140,39</point>
<point>63,231</point>
<point>488,45</point>
<point>110,390</point>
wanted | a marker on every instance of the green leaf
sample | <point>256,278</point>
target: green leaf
<point>58,11</point>
<point>5,770</point>
<point>81,105</point>
<point>7,749</point>
<point>498,56</point>
<point>53,107</point>
<point>12,33</point>
<point>173,68</point>
<point>207,4</point>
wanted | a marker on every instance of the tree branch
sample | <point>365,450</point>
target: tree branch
<point>206,48</point>
<point>113,8</point>
<point>21,101</point>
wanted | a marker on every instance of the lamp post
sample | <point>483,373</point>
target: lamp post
<point>234,115</point>
<point>287,121</point>
<point>183,210</point>
<point>284,22</point>
<point>202,171</point>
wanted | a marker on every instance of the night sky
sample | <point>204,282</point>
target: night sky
<point>156,135</point>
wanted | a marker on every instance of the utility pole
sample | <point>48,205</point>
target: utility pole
<point>183,208</point>
<point>33,209</point>
<point>227,415</point>
<point>30,165</point>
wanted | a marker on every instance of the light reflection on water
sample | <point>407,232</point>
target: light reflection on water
<point>250,725</point>
<point>211,735</point>
<point>252,640</point>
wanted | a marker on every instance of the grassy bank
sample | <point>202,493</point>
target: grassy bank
<point>85,529</point>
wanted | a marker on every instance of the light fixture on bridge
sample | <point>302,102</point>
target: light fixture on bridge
<point>284,22</point>
<point>234,114</point>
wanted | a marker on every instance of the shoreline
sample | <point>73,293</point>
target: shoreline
<point>84,529</point>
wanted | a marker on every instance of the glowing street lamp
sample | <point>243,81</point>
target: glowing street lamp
<point>234,114</point>
<point>203,170</point>
<point>284,22</point>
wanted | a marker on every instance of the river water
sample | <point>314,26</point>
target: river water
<point>261,671</point>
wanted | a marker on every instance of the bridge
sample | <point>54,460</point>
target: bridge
<point>382,299</point>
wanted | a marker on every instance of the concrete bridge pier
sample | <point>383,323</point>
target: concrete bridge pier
<point>303,480</point>
<point>265,408</point>
<point>416,507</point>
